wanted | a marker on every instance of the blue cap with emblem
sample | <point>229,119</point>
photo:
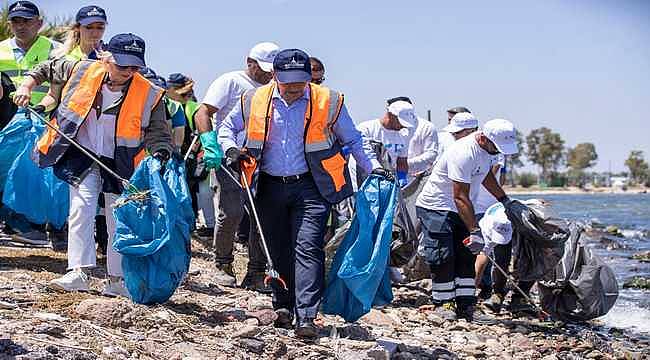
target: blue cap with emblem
<point>23,9</point>
<point>292,65</point>
<point>91,14</point>
<point>127,50</point>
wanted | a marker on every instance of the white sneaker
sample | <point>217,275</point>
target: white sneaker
<point>115,287</point>
<point>75,280</point>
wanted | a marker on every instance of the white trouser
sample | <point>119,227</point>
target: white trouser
<point>206,205</point>
<point>81,225</point>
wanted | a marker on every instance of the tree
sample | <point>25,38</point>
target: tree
<point>545,149</point>
<point>637,165</point>
<point>581,157</point>
<point>54,29</point>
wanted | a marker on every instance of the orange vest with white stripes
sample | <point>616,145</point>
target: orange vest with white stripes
<point>77,99</point>
<point>322,149</point>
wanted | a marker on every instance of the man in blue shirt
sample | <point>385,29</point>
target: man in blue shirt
<point>294,134</point>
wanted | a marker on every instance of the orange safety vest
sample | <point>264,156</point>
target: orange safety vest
<point>322,149</point>
<point>77,99</point>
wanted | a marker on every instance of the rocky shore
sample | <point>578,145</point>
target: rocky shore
<point>204,321</point>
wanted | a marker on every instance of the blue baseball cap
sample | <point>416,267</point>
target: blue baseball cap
<point>292,65</point>
<point>127,50</point>
<point>151,75</point>
<point>23,9</point>
<point>90,14</point>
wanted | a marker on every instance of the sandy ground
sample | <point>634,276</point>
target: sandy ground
<point>205,321</point>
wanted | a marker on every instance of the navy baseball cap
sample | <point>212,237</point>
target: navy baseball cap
<point>292,65</point>
<point>127,50</point>
<point>23,9</point>
<point>90,14</point>
<point>151,75</point>
<point>178,80</point>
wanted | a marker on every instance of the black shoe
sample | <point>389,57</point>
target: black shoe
<point>205,232</point>
<point>254,280</point>
<point>520,305</point>
<point>484,293</point>
<point>284,319</point>
<point>306,329</point>
<point>58,240</point>
<point>470,314</point>
<point>494,304</point>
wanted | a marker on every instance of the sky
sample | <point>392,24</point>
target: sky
<point>581,68</point>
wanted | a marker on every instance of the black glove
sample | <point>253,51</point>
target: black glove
<point>163,157</point>
<point>386,174</point>
<point>234,156</point>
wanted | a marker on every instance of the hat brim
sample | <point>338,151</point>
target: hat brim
<point>22,14</point>
<point>92,19</point>
<point>405,122</point>
<point>128,60</point>
<point>498,238</point>
<point>265,66</point>
<point>507,148</point>
<point>292,76</point>
<point>451,128</point>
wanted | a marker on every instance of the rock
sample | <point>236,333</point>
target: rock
<point>378,318</point>
<point>107,312</point>
<point>521,329</point>
<point>378,353</point>
<point>253,345</point>
<point>252,322</point>
<point>494,346</point>
<point>631,355</point>
<point>354,332</point>
<point>52,349</point>
<point>264,316</point>
<point>163,315</point>
<point>48,329</point>
<point>594,355</point>
<point>114,352</point>
<point>390,346</point>
<point>49,316</point>
<point>637,282</point>
<point>7,305</point>
<point>642,256</point>
<point>435,319</point>
<point>246,331</point>
<point>550,357</point>
<point>36,355</point>
<point>613,230</point>
<point>9,348</point>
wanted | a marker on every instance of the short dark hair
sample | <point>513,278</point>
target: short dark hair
<point>458,109</point>
<point>399,98</point>
<point>318,62</point>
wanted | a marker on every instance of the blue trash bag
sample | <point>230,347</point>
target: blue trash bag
<point>29,190</point>
<point>359,278</point>
<point>154,235</point>
<point>12,142</point>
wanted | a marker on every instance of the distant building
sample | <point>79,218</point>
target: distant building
<point>619,182</point>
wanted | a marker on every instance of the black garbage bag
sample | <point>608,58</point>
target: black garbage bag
<point>538,239</point>
<point>582,287</point>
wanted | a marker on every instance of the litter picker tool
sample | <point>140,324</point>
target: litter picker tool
<point>134,193</point>
<point>189,150</point>
<point>273,278</point>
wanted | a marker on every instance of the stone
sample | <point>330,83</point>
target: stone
<point>637,282</point>
<point>494,346</point>
<point>52,349</point>
<point>550,357</point>
<point>252,344</point>
<point>264,316</point>
<point>49,316</point>
<point>7,305</point>
<point>354,332</point>
<point>48,329</point>
<point>114,352</point>
<point>107,312</point>
<point>594,355</point>
<point>246,331</point>
<point>642,256</point>
<point>378,353</point>
<point>521,329</point>
<point>435,319</point>
<point>163,315</point>
<point>390,346</point>
<point>252,322</point>
<point>378,318</point>
<point>632,355</point>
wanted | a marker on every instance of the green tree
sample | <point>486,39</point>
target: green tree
<point>580,158</point>
<point>545,149</point>
<point>54,29</point>
<point>637,165</point>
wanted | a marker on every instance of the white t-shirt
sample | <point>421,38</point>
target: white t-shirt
<point>464,161</point>
<point>225,91</point>
<point>423,147</point>
<point>484,199</point>
<point>445,139</point>
<point>98,135</point>
<point>396,142</point>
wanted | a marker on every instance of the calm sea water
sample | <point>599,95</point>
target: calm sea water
<point>631,213</point>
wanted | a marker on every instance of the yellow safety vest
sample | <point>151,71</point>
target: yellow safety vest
<point>39,52</point>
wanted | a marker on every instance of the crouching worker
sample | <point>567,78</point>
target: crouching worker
<point>292,158</point>
<point>116,114</point>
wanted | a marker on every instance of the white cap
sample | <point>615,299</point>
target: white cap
<point>495,226</point>
<point>502,133</point>
<point>264,53</point>
<point>405,113</point>
<point>461,121</point>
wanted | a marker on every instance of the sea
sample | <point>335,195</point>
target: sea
<point>631,214</point>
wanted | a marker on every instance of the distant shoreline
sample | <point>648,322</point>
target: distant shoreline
<point>534,190</point>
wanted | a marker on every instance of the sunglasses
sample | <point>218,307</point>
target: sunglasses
<point>125,68</point>
<point>318,81</point>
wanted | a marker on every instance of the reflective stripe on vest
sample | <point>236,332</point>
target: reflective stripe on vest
<point>322,150</point>
<point>77,99</point>
<point>37,53</point>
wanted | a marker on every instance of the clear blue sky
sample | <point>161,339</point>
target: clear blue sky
<point>581,68</point>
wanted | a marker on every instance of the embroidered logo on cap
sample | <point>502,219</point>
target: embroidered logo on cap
<point>94,12</point>
<point>134,47</point>
<point>19,6</point>
<point>293,64</point>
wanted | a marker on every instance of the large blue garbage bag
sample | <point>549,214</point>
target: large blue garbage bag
<point>154,235</point>
<point>12,142</point>
<point>29,190</point>
<point>359,278</point>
